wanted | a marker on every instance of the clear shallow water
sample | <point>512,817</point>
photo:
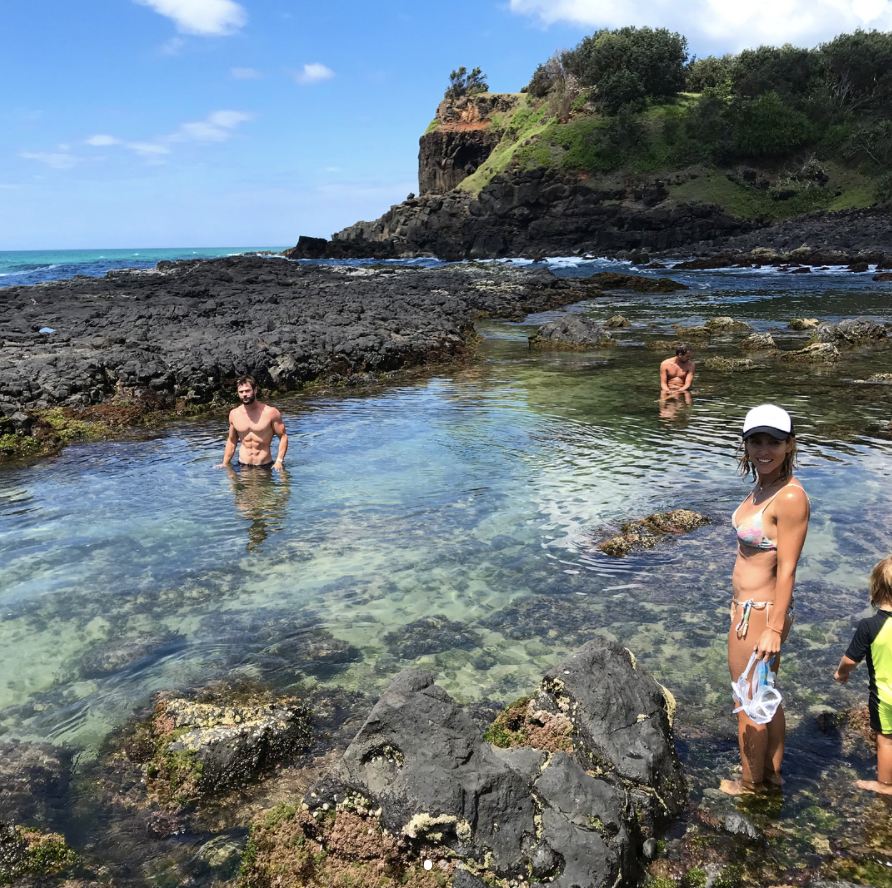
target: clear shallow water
<point>478,496</point>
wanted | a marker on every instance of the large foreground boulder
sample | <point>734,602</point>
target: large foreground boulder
<point>421,798</point>
<point>573,332</point>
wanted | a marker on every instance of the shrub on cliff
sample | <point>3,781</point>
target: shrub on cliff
<point>767,127</point>
<point>630,64</point>
<point>857,69</point>
<point>712,72</point>
<point>461,83</point>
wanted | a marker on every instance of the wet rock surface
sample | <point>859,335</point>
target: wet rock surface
<point>198,749</point>
<point>573,332</point>
<point>729,365</point>
<point>645,533</point>
<point>817,353</point>
<point>852,332</point>
<point>477,812</point>
<point>184,331</point>
<point>726,325</point>
<point>759,342</point>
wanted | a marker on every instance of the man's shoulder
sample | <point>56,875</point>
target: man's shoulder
<point>666,361</point>
<point>272,412</point>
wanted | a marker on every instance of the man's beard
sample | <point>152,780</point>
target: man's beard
<point>250,400</point>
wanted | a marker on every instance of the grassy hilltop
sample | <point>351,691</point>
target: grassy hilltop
<point>766,134</point>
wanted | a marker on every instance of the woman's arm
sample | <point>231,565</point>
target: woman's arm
<point>791,512</point>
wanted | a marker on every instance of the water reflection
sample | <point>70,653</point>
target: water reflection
<point>261,498</point>
<point>671,404</point>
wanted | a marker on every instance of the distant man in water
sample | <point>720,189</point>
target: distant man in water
<point>254,424</point>
<point>677,374</point>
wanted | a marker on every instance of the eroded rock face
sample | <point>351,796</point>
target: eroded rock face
<point>526,213</point>
<point>419,782</point>
<point>851,332</point>
<point>572,332</point>
<point>34,781</point>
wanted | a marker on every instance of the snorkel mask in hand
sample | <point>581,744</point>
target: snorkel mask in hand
<point>761,706</point>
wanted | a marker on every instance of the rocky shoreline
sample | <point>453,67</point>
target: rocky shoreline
<point>86,355</point>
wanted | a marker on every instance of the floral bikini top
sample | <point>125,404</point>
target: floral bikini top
<point>750,531</point>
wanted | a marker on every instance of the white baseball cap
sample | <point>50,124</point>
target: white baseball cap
<point>768,418</point>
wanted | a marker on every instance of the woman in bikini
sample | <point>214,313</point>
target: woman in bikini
<point>771,524</point>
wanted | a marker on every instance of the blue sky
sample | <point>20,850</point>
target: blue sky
<point>174,123</point>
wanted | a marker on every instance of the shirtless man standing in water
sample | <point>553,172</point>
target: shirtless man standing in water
<point>677,374</point>
<point>254,424</point>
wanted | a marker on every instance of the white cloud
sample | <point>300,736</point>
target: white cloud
<point>314,73</point>
<point>204,17</point>
<point>245,74</point>
<point>216,127</point>
<point>146,149</point>
<point>58,161</point>
<point>721,25</point>
<point>101,140</point>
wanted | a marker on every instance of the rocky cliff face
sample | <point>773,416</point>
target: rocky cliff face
<point>532,214</point>
<point>463,139</point>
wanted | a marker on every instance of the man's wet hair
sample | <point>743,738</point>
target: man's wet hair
<point>247,380</point>
<point>681,348</point>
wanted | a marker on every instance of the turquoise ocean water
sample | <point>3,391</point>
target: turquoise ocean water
<point>19,267</point>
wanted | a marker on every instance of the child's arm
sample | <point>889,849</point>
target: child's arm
<point>846,665</point>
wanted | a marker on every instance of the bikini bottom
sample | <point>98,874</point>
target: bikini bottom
<point>748,606</point>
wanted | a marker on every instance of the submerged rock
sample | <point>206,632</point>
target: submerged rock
<point>818,353</point>
<point>700,332</point>
<point>803,323</point>
<point>572,332</point>
<point>729,365</point>
<point>726,325</point>
<point>759,342</point>
<point>34,781</point>
<point>425,807</point>
<point>880,379</point>
<point>124,653</point>
<point>646,532</point>
<point>617,321</point>
<point>852,331</point>
<point>430,635</point>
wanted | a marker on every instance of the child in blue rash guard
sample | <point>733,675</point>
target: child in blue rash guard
<point>873,638</point>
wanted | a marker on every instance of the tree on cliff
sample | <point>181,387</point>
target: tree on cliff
<point>628,66</point>
<point>463,84</point>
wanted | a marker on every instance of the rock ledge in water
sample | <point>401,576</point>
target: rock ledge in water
<point>419,786</point>
<point>572,333</point>
<point>646,532</point>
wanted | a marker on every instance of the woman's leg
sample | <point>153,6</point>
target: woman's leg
<point>761,746</point>
<point>777,727</point>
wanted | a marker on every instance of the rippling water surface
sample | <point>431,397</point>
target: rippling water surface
<point>477,496</point>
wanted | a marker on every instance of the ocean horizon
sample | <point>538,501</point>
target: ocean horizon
<point>21,267</point>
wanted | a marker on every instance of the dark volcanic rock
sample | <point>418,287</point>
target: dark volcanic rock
<point>443,793</point>
<point>186,330</point>
<point>531,213</point>
<point>572,332</point>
